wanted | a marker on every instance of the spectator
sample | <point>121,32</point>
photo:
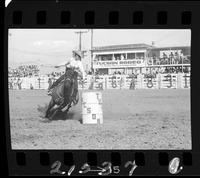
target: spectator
<point>11,83</point>
<point>181,57</point>
<point>154,60</point>
<point>122,57</point>
<point>19,82</point>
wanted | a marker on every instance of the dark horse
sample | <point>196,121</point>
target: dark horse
<point>62,94</point>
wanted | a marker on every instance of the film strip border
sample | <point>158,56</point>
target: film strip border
<point>78,14</point>
<point>89,17</point>
<point>121,163</point>
<point>88,14</point>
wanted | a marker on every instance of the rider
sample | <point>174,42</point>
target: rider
<point>76,63</point>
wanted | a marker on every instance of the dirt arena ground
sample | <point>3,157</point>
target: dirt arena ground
<point>133,119</point>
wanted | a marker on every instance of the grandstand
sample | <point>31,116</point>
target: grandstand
<point>117,66</point>
<point>139,58</point>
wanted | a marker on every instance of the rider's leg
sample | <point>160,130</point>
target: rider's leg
<point>51,104</point>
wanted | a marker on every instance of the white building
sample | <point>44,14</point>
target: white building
<point>125,59</point>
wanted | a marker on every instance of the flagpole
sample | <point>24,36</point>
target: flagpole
<point>91,49</point>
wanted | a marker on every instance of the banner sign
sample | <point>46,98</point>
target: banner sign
<point>119,64</point>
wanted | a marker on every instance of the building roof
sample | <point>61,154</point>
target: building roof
<point>172,47</point>
<point>122,47</point>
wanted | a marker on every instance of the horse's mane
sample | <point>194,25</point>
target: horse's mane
<point>70,73</point>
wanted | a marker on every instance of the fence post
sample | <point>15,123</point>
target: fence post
<point>105,80</point>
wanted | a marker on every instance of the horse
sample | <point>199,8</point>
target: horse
<point>62,94</point>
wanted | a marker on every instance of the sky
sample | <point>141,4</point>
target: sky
<point>53,46</point>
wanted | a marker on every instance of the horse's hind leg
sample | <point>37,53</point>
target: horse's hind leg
<point>51,104</point>
<point>53,114</point>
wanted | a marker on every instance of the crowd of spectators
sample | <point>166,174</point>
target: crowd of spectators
<point>24,71</point>
<point>169,59</point>
<point>153,71</point>
<point>58,74</point>
<point>32,70</point>
<point>167,70</point>
<point>55,74</point>
<point>164,70</point>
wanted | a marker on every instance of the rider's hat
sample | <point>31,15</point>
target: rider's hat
<point>78,53</point>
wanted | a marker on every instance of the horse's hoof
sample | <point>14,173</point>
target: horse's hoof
<point>44,119</point>
<point>64,109</point>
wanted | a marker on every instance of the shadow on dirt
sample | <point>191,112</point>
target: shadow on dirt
<point>59,115</point>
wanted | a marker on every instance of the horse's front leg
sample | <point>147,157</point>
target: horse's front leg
<point>66,95</point>
<point>51,105</point>
<point>67,91</point>
<point>53,114</point>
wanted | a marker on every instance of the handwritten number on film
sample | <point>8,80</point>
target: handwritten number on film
<point>84,169</point>
<point>133,167</point>
<point>107,168</point>
<point>174,166</point>
<point>56,168</point>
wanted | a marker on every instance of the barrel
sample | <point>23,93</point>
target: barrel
<point>92,112</point>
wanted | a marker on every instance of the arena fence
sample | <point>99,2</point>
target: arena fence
<point>180,80</point>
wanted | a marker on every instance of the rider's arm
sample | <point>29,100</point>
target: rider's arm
<point>67,64</point>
